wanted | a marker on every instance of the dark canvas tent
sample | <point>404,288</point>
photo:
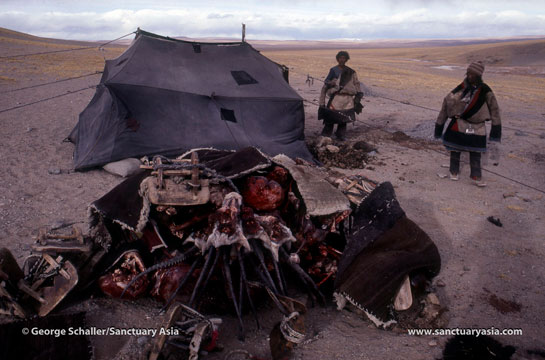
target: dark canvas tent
<point>165,96</point>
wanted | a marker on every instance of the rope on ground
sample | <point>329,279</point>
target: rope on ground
<point>516,181</point>
<point>446,154</point>
<point>407,103</point>
<point>435,110</point>
<point>310,79</point>
<point>356,119</point>
<point>498,174</point>
<point>52,82</point>
<point>66,50</point>
<point>46,99</point>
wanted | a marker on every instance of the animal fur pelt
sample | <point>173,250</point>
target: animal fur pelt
<point>122,204</point>
<point>383,246</point>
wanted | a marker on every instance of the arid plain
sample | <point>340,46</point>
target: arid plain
<point>404,86</point>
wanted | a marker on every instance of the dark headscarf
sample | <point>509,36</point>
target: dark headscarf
<point>342,53</point>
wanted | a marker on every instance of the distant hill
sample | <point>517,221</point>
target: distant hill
<point>518,51</point>
<point>8,34</point>
<point>523,53</point>
<point>374,44</point>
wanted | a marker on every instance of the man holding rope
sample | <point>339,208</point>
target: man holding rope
<point>342,87</point>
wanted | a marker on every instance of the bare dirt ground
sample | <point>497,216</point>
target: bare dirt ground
<point>484,267</point>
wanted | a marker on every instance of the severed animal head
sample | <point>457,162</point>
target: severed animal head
<point>277,233</point>
<point>226,226</point>
<point>126,267</point>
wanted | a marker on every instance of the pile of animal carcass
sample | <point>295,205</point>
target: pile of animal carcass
<point>343,155</point>
<point>241,218</point>
<point>223,229</point>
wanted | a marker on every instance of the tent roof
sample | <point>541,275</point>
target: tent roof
<point>209,69</point>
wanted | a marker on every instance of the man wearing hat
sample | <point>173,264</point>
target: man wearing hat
<point>468,106</point>
<point>342,87</point>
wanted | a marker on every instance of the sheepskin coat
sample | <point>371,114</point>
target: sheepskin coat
<point>343,88</point>
<point>468,108</point>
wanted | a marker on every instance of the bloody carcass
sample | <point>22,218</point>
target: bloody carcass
<point>266,222</point>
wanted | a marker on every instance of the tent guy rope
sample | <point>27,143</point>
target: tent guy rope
<point>66,50</point>
<point>310,80</point>
<point>46,99</point>
<point>51,82</point>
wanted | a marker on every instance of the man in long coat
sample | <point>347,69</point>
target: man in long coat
<point>468,107</point>
<point>342,87</point>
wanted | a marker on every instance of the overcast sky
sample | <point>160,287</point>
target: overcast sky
<point>276,19</point>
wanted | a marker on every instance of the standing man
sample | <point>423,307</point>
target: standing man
<point>468,106</point>
<point>342,87</point>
